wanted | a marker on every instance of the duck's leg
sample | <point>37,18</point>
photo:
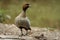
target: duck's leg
<point>21,31</point>
<point>26,32</point>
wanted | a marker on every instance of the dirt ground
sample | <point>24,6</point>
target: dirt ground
<point>37,33</point>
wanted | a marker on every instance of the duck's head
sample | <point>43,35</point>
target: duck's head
<point>26,6</point>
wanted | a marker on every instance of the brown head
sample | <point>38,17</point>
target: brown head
<point>25,6</point>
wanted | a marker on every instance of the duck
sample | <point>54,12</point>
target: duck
<point>22,21</point>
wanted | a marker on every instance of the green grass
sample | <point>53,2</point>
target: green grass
<point>41,14</point>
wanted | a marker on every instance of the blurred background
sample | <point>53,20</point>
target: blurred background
<point>42,13</point>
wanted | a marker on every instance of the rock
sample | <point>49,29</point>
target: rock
<point>37,33</point>
<point>41,37</point>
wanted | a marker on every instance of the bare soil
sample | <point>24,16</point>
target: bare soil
<point>11,31</point>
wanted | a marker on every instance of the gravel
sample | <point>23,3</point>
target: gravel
<point>37,33</point>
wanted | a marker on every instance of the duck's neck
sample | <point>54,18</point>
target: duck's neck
<point>24,11</point>
<point>23,14</point>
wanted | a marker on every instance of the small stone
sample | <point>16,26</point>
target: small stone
<point>22,39</point>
